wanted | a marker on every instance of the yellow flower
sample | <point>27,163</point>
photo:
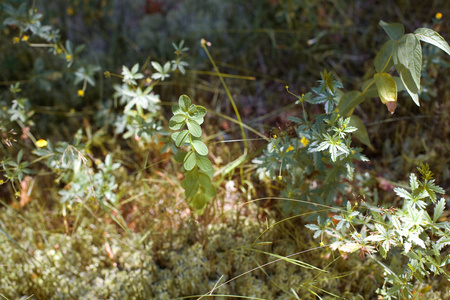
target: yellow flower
<point>280,177</point>
<point>321,244</point>
<point>1,181</point>
<point>68,57</point>
<point>69,11</point>
<point>41,143</point>
<point>58,50</point>
<point>16,40</point>
<point>290,148</point>
<point>274,136</point>
<point>80,93</point>
<point>439,16</point>
<point>304,141</point>
<point>25,38</point>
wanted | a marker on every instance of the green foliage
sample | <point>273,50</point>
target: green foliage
<point>198,170</point>
<point>420,237</point>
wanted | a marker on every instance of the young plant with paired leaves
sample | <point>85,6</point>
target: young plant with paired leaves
<point>197,168</point>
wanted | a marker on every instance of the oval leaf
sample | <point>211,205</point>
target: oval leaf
<point>432,37</point>
<point>348,102</point>
<point>409,54</point>
<point>383,61</point>
<point>184,102</point>
<point>408,83</point>
<point>190,161</point>
<point>361,134</point>
<point>394,30</point>
<point>204,164</point>
<point>194,128</point>
<point>182,138</point>
<point>387,89</point>
<point>199,147</point>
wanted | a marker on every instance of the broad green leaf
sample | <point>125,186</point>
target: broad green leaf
<point>204,180</point>
<point>190,161</point>
<point>199,147</point>
<point>408,83</point>
<point>409,54</point>
<point>210,191</point>
<point>190,190</point>
<point>180,155</point>
<point>348,103</point>
<point>432,37</point>
<point>191,177</point>
<point>204,164</point>
<point>194,128</point>
<point>399,83</point>
<point>182,138</point>
<point>184,102</point>
<point>387,89</point>
<point>394,30</point>
<point>199,201</point>
<point>361,134</point>
<point>384,59</point>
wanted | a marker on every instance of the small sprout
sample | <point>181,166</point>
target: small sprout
<point>41,143</point>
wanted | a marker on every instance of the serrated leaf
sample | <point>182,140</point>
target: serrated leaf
<point>413,183</point>
<point>384,59</point>
<point>182,138</point>
<point>387,89</point>
<point>194,128</point>
<point>190,161</point>
<point>417,240</point>
<point>394,30</point>
<point>312,227</point>
<point>199,147</point>
<point>348,102</point>
<point>350,247</point>
<point>401,192</point>
<point>432,37</point>
<point>361,132</point>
